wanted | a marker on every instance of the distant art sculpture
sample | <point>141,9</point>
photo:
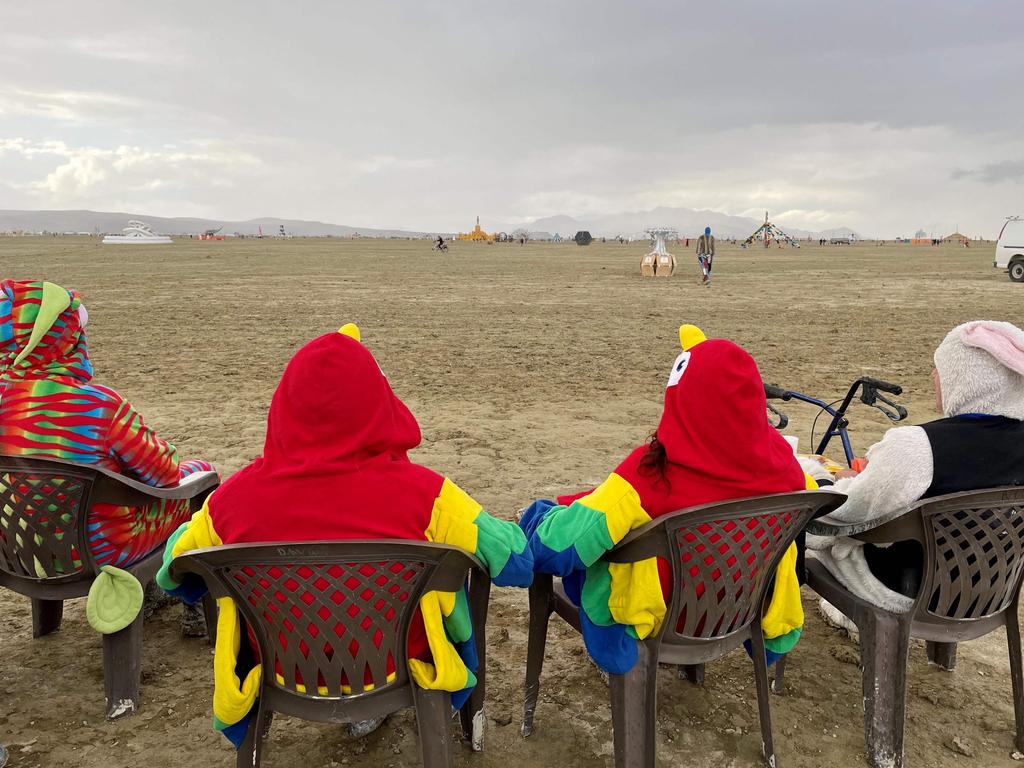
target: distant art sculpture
<point>768,233</point>
<point>659,262</point>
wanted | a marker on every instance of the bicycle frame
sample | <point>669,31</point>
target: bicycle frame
<point>837,427</point>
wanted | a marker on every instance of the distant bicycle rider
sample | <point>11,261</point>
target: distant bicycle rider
<point>440,245</point>
<point>706,254</point>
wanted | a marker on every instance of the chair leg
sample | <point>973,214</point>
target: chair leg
<point>1016,671</point>
<point>779,683</point>
<point>432,709</point>
<point>46,616</point>
<point>251,751</point>
<point>635,710</point>
<point>692,672</point>
<point>540,613</point>
<point>943,654</point>
<point>210,614</point>
<point>472,715</point>
<point>763,699</point>
<point>122,669</point>
<point>884,643</point>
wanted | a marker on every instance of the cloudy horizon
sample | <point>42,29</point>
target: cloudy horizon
<point>884,117</point>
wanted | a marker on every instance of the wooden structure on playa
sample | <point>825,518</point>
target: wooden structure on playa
<point>659,262</point>
<point>477,235</point>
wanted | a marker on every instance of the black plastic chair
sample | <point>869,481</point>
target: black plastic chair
<point>45,553</point>
<point>973,545</point>
<point>723,558</point>
<point>333,615</point>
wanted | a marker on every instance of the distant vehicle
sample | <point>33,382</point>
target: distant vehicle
<point>841,241</point>
<point>1010,249</point>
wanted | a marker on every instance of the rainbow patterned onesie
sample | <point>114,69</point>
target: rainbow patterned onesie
<point>49,408</point>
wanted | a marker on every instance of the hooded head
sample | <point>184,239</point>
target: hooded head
<point>707,230</point>
<point>981,369</point>
<point>714,433</point>
<point>42,332</point>
<point>334,410</point>
<point>334,464</point>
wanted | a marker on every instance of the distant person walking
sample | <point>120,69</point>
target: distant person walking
<point>706,254</point>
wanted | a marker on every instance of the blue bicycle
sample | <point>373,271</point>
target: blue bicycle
<point>870,394</point>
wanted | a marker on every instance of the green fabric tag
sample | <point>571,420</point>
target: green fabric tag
<point>115,599</point>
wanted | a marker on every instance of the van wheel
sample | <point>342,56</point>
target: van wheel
<point>1017,271</point>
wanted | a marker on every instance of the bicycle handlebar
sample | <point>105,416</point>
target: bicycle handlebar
<point>773,392</point>
<point>885,386</point>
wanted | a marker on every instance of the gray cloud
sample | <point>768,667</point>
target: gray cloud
<point>423,115</point>
<point>1010,170</point>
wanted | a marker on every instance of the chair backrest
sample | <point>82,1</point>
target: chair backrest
<point>723,558</point>
<point>44,511</point>
<point>331,618</point>
<point>974,554</point>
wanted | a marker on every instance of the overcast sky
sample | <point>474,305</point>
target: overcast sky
<point>883,116</point>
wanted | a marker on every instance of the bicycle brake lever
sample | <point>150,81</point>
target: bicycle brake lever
<point>899,413</point>
<point>783,418</point>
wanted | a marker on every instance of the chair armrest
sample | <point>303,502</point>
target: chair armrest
<point>187,488</point>
<point>897,526</point>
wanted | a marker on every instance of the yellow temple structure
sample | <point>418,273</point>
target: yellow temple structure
<point>477,234</point>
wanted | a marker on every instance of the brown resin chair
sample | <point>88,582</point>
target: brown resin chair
<point>331,620</point>
<point>973,561</point>
<point>45,553</point>
<point>723,558</point>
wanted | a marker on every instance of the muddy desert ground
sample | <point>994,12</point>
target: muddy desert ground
<point>532,370</point>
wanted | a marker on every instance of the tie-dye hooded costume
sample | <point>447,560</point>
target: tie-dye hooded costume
<point>334,466</point>
<point>717,445</point>
<point>50,408</point>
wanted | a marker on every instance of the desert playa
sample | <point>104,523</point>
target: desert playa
<point>532,369</point>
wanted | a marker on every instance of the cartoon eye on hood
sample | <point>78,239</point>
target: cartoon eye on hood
<point>335,409</point>
<point>42,332</point>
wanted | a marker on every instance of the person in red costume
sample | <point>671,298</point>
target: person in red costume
<point>713,443</point>
<point>335,465</point>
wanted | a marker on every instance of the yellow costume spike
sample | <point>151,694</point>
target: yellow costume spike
<point>351,330</point>
<point>690,336</point>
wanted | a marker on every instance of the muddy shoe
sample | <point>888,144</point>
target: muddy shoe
<point>193,623</point>
<point>155,599</point>
<point>364,727</point>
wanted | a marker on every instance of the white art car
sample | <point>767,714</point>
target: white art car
<point>1010,249</point>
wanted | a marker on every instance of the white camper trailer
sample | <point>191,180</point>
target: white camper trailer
<point>1010,249</point>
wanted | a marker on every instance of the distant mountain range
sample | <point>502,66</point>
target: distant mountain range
<point>687,221</point>
<point>96,222</point>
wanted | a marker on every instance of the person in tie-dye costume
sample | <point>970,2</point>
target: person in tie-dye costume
<point>50,407</point>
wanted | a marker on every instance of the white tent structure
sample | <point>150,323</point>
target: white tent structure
<point>137,233</point>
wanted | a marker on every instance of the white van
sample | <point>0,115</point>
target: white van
<point>1010,249</point>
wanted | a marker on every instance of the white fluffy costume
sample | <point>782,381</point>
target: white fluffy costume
<point>981,374</point>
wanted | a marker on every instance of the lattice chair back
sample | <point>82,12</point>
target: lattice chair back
<point>974,544</point>
<point>331,619</point>
<point>723,558</point>
<point>43,508</point>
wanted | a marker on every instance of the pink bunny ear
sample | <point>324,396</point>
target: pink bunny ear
<point>1003,341</point>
